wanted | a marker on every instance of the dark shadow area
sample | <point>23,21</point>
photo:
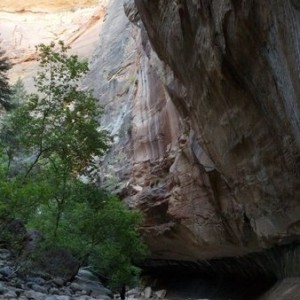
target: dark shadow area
<point>234,278</point>
<point>192,287</point>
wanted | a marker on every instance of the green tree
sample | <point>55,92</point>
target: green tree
<point>60,120</point>
<point>18,94</point>
<point>47,143</point>
<point>96,227</point>
<point>5,91</point>
<point>8,136</point>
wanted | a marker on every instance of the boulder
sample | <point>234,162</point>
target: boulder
<point>39,288</point>
<point>32,240</point>
<point>51,298</point>
<point>86,274</point>
<point>87,281</point>
<point>58,281</point>
<point>63,297</point>
<point>57,263</point>
<point>35,280</point>
<point>147,292</point>
<point>5,254</point>
<point>75,286</point>
<point>7,271</point>
<point>102,297</point>
<point>34,295</point>
<point>85,298</point>
<point>10,295</point>
<point>134,293</point>
<point>3,288</point>
<point>53,291</point>
<point>161,294</point>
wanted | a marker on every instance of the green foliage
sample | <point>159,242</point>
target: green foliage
<point>18,94</point>
<point>47,141</point>
<point>11,240</point>
<point>60,120</point>
<point>96,228</point>
<point>5,91</point>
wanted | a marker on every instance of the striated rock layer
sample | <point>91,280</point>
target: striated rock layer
<point>206,131</point>
<point>43,5</point>
<point>232,70</point>
<point>156,155</point>
<point>20,32</point>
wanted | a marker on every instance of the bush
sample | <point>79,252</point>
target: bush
<point>97,229</point>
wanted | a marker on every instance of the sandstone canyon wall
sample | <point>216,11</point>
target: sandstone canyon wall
<point>202,101</point>
<point>44,5</point>
<point>23,25</point>
<point>162,168</point>
<point>235,79</point>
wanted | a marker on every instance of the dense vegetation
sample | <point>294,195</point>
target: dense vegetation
<point>47,142</point>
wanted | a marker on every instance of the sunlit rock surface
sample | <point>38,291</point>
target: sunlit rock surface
<point>78,26</point>
<point>44,5</point>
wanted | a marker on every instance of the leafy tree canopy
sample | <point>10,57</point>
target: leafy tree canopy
<point>60,119</point>
<point>47,142</point>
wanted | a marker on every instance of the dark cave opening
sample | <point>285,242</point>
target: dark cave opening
<point>235,278</point>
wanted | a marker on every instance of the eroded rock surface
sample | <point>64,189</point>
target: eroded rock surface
<point>43,5</point>
<point>206,136</point>
<point>77,25</point>
<point>235,79</point>
<point>288,288</point>
<point>206,131</point>
<point>155,155</point>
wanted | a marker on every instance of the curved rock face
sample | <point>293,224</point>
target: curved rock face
<point>206,127</point>
<point>156,155</point>
<point>286,289</point>
<point>235,81</point>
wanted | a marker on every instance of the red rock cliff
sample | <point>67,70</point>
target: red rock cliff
<point>233,70</point>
